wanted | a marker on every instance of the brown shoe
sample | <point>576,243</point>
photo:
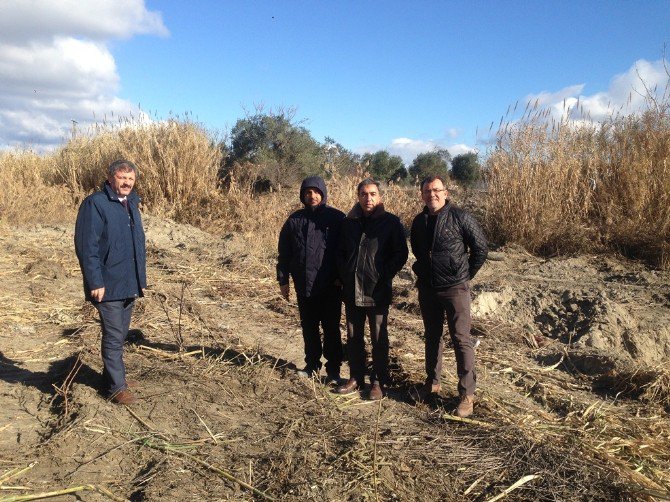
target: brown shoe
<point>124,397</point>
<point>376,392</point>
<point>425,391</point>
<point>348,388</point>
<point>465,407</point>
<point>132,384</point>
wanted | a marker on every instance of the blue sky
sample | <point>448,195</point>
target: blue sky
<point>403,76</point>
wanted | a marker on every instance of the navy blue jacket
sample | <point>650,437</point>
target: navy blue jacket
<point>109,242</point>
<point>307,245</point>
<point>370,253</point>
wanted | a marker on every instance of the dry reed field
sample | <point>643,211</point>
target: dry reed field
<point>558,188</point>
<point>574,387</point>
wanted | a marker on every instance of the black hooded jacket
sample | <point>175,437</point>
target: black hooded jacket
<point>307,244</point>
<point>371,252</point>
<point>459,248</point>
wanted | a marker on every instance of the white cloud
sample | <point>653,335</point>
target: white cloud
<point>408,149</point>
<point>22,21</point>
<point>626,94</point>
<point>56,67</point>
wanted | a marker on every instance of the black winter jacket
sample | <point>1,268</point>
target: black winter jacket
<point>370,253</point>
<point>307,245</point>
<point>458,252</point>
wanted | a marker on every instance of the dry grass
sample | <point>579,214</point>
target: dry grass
<point>178,163</point>
<point>561,188</point>
<point>27,196</point>
<point>236,407</point>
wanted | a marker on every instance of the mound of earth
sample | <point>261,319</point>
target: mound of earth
<point>572,400</point>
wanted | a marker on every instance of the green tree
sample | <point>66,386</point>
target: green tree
<point>270,149</point>
<point>400,175</point>
<point>466,168</point>
<point>433,163</point>
<point>382,165</point>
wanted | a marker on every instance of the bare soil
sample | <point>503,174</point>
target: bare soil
<point>573,396</point>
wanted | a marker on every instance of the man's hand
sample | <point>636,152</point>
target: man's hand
<point>284,290</point>
<point>97,294</point>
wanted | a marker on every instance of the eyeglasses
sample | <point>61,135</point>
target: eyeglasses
<point>433,191</point>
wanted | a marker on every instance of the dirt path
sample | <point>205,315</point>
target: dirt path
<point>551,331</point>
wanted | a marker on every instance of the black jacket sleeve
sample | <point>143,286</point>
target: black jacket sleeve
<point>474,237</point>
<point>399,251</point>
<point>285,251</point>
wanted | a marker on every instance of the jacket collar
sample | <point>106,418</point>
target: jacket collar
<point>444,210</point>
<point>357,213</point>
<point>132,197</point>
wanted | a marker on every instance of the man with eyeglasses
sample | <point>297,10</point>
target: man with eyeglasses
<point>450,247</point>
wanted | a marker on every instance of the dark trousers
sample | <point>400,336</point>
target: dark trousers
<point>115,318</point>
<point>454,303</point>
<point>325,310</point>
<point>377,318</point>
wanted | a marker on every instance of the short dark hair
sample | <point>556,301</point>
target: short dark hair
<point>366,182</point>
<point>122,165</point>
<point>430,179</point>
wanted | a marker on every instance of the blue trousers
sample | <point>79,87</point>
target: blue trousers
<point>115,318</point>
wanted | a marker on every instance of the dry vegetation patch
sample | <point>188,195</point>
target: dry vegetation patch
<point>221,412</point>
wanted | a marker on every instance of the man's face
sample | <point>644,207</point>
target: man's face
<point>434,195</point>
<point>369,198</point>
<point>122,182</point>
<point>311,197</point>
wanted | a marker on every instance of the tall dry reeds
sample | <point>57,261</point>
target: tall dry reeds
<point>566,188</point>
<point>178,162</point>
<point>27,195</point>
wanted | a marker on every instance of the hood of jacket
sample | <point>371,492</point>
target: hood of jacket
<point>315,182</point>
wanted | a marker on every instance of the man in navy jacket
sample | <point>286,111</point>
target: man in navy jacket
<point>307,245</point>
<point>109,242</point>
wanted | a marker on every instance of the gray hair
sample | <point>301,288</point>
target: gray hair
<point>122,165</point>
<point>366,182</point>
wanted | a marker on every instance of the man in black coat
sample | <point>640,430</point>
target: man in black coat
<point>372,250</point>
<point>450,247</point>
<point>307,244</point>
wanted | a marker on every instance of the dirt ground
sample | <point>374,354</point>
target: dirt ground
<point>573,380</point>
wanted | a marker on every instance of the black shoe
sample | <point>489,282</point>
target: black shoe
<point>308,372</point>
<point>334,379</point>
